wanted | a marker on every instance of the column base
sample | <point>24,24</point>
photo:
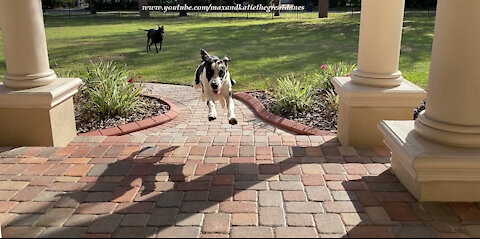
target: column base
<point>41,116</point>
<point>431,171</point>
<point>29,81</point>
<point>377,80</point>
<point>456,135</point>
<point>363,107</point>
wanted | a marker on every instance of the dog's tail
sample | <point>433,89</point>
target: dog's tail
<point>143,30</point>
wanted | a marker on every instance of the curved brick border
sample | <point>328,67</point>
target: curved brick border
<point>138,125</point>
<point>276,120</point>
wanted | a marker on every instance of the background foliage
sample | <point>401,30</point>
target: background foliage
<point>311,5</point>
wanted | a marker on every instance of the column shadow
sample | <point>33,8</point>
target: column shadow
<point>183,193</point>
<point>167,191</point>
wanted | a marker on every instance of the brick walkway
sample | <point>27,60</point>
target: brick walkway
<point>194,178</point>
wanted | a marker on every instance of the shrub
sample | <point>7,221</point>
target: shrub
<point>293,95</point>
<point>109,90</point>
<point>331,100</point>
<point>329,71</point>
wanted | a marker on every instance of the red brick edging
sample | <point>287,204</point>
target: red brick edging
<point>138,125</point>
<point>276,120</point>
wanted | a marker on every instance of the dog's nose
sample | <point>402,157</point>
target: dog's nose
<point>214,86</point>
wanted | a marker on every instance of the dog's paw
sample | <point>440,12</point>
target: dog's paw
<point>232,121</point>
<point>210,118</point>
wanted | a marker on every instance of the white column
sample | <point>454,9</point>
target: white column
<point>381,24</point>
<point>36,108</point>
<point>25,45</point>
<point>452,115</point>
<point>437,156</point>
<point>376,90</point>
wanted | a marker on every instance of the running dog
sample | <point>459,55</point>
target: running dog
<point>213,78</point>
<point>154,37</point>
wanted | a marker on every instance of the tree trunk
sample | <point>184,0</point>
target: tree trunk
<point>146,13</point>
<point>182,13</point>
<point>323,8</point>
<point>277,3</point>
<point>93,8</point>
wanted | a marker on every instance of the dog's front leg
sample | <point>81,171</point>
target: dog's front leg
<point>156,47</point>
<point>212,112</point>
<point>231,110</point>
<point>160,46</point>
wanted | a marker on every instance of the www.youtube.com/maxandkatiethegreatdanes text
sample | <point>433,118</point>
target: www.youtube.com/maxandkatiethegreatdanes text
<point>213,8</point>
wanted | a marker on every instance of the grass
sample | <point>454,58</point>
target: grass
<point>261,49</point>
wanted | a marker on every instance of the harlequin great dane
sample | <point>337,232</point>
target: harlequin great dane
<point>213,78</point>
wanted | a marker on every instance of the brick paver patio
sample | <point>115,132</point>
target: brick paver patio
<point>194,178</point>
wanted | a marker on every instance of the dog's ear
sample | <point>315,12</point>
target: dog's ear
<point>226,60</point>
<point>205,55</point>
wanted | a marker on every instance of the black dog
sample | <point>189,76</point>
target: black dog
<point>154,37</point>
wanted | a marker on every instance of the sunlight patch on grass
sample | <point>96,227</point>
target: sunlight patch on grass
<point>261,49</point>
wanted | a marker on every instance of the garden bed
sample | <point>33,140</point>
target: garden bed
<point>88,121</point>
<point>317,116</point>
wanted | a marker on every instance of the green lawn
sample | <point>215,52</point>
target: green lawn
<point>261,49</point>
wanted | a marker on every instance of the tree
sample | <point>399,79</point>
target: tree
<point>323,8</point>
<point>354,4</point>
<point>49,4</point>
<point>182,13</point>
<point>309,4</point>
<point>420,3</point>
<point>92,4</point>
<point>276,3</point>
<point>262,2</point>
<point>143,14</point>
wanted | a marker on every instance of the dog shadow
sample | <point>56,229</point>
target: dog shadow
<point>163,189</point>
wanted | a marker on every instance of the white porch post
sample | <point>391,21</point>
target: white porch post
<point>437,157</point>
<point>35,106</point>
<point>453,113</point>
<point>381,25</point>
<point>376,90</point>
<point>24,44</point>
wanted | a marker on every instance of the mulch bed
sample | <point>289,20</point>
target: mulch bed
<point>318,116</point>
<point>88,121</point>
